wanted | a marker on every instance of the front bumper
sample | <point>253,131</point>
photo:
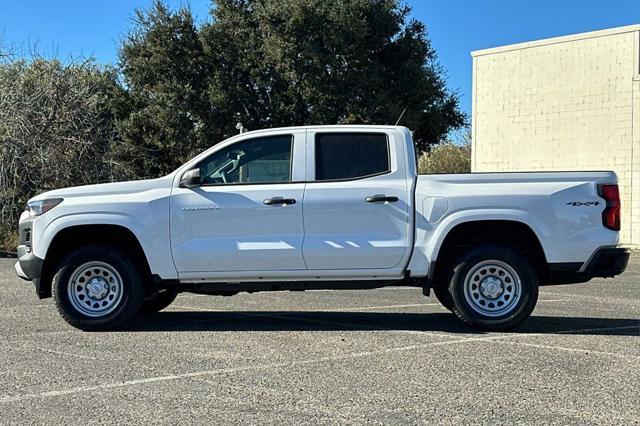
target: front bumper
<point>20,272</point>
<point>29,267</point>
<point>606,262</point>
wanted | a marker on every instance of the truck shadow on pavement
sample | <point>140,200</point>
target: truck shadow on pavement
<point>366,321</point>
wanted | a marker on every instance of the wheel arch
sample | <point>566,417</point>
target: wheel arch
<point>510,232</point>
<point>74,236</point>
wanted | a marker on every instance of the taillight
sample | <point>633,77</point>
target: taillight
<point>611,213</point>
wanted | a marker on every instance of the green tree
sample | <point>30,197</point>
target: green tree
<point>292,62</point>
<point>163,114</point>
<point>276,63</point>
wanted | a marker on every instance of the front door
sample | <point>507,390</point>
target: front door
<point>357,202</point>
<point>247,213</point>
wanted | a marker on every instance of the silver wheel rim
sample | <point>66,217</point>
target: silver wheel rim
<point>95,289</point>
<point>492,288</point>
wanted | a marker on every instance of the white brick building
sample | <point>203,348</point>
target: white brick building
<point>565,103</point>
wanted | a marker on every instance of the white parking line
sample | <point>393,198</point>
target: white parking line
<point>200,309</point>
<point>39,305</point>
<point>51,351</point>
<point>589,330</point>
<point>599,299</point>
<point>40,333</point>
<point>192,295</point>
<point>104,386</point>
<point>368,308</point>
<point>566,349</point>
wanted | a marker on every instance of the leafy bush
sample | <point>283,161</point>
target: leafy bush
<point>446,158</point>
<point>56,130</point>
<point>8,238</point>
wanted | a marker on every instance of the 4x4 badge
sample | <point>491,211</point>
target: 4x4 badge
<point>583,203</point>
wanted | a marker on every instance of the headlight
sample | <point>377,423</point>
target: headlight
<point>36,208</point>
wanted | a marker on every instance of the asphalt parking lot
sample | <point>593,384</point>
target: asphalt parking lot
<point>378,356</point>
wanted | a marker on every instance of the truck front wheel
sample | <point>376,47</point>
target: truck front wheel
<point>158,300</point>
<point>97,288</point>
<point>493,288</point>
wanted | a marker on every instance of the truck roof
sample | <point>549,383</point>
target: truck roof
<point>338,127</point>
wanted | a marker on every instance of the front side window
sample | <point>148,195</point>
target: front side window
<point>259,160</point>
<point>342,156</point>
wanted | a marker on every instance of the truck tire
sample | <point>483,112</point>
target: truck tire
<point>443,296</point>
<point>158,301</point>
<point>97,288</point>
<point>493,288</point>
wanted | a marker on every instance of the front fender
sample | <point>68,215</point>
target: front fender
<point>153,240</point>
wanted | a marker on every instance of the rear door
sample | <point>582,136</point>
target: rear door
<point>357,206</point>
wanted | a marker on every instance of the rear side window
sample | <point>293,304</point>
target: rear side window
<point>341,156</point>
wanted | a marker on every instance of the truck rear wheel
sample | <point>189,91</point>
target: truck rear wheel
<point>493,288</point>
<point>97,288</point>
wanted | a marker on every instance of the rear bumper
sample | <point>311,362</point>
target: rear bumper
<point>606,262</point>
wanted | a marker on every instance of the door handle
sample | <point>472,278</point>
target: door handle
<point>381,198</point>
<point>279,201</point>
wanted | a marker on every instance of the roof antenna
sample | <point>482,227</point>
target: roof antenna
<point>401,114</point>
<point>241,128</point>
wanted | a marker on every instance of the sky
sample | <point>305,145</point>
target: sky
<point>71,28</point>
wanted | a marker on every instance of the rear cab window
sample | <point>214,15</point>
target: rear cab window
<point>349,156</point>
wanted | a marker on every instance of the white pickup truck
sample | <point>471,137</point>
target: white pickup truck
<point>322,207</point>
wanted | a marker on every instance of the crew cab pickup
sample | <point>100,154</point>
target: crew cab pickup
<point>324,207</point>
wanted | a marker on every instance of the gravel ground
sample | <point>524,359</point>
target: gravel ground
<point>377,356</point>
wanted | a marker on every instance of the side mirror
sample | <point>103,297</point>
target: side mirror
<point>190,179</point>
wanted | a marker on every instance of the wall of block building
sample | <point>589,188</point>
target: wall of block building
<point>568,103</point>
